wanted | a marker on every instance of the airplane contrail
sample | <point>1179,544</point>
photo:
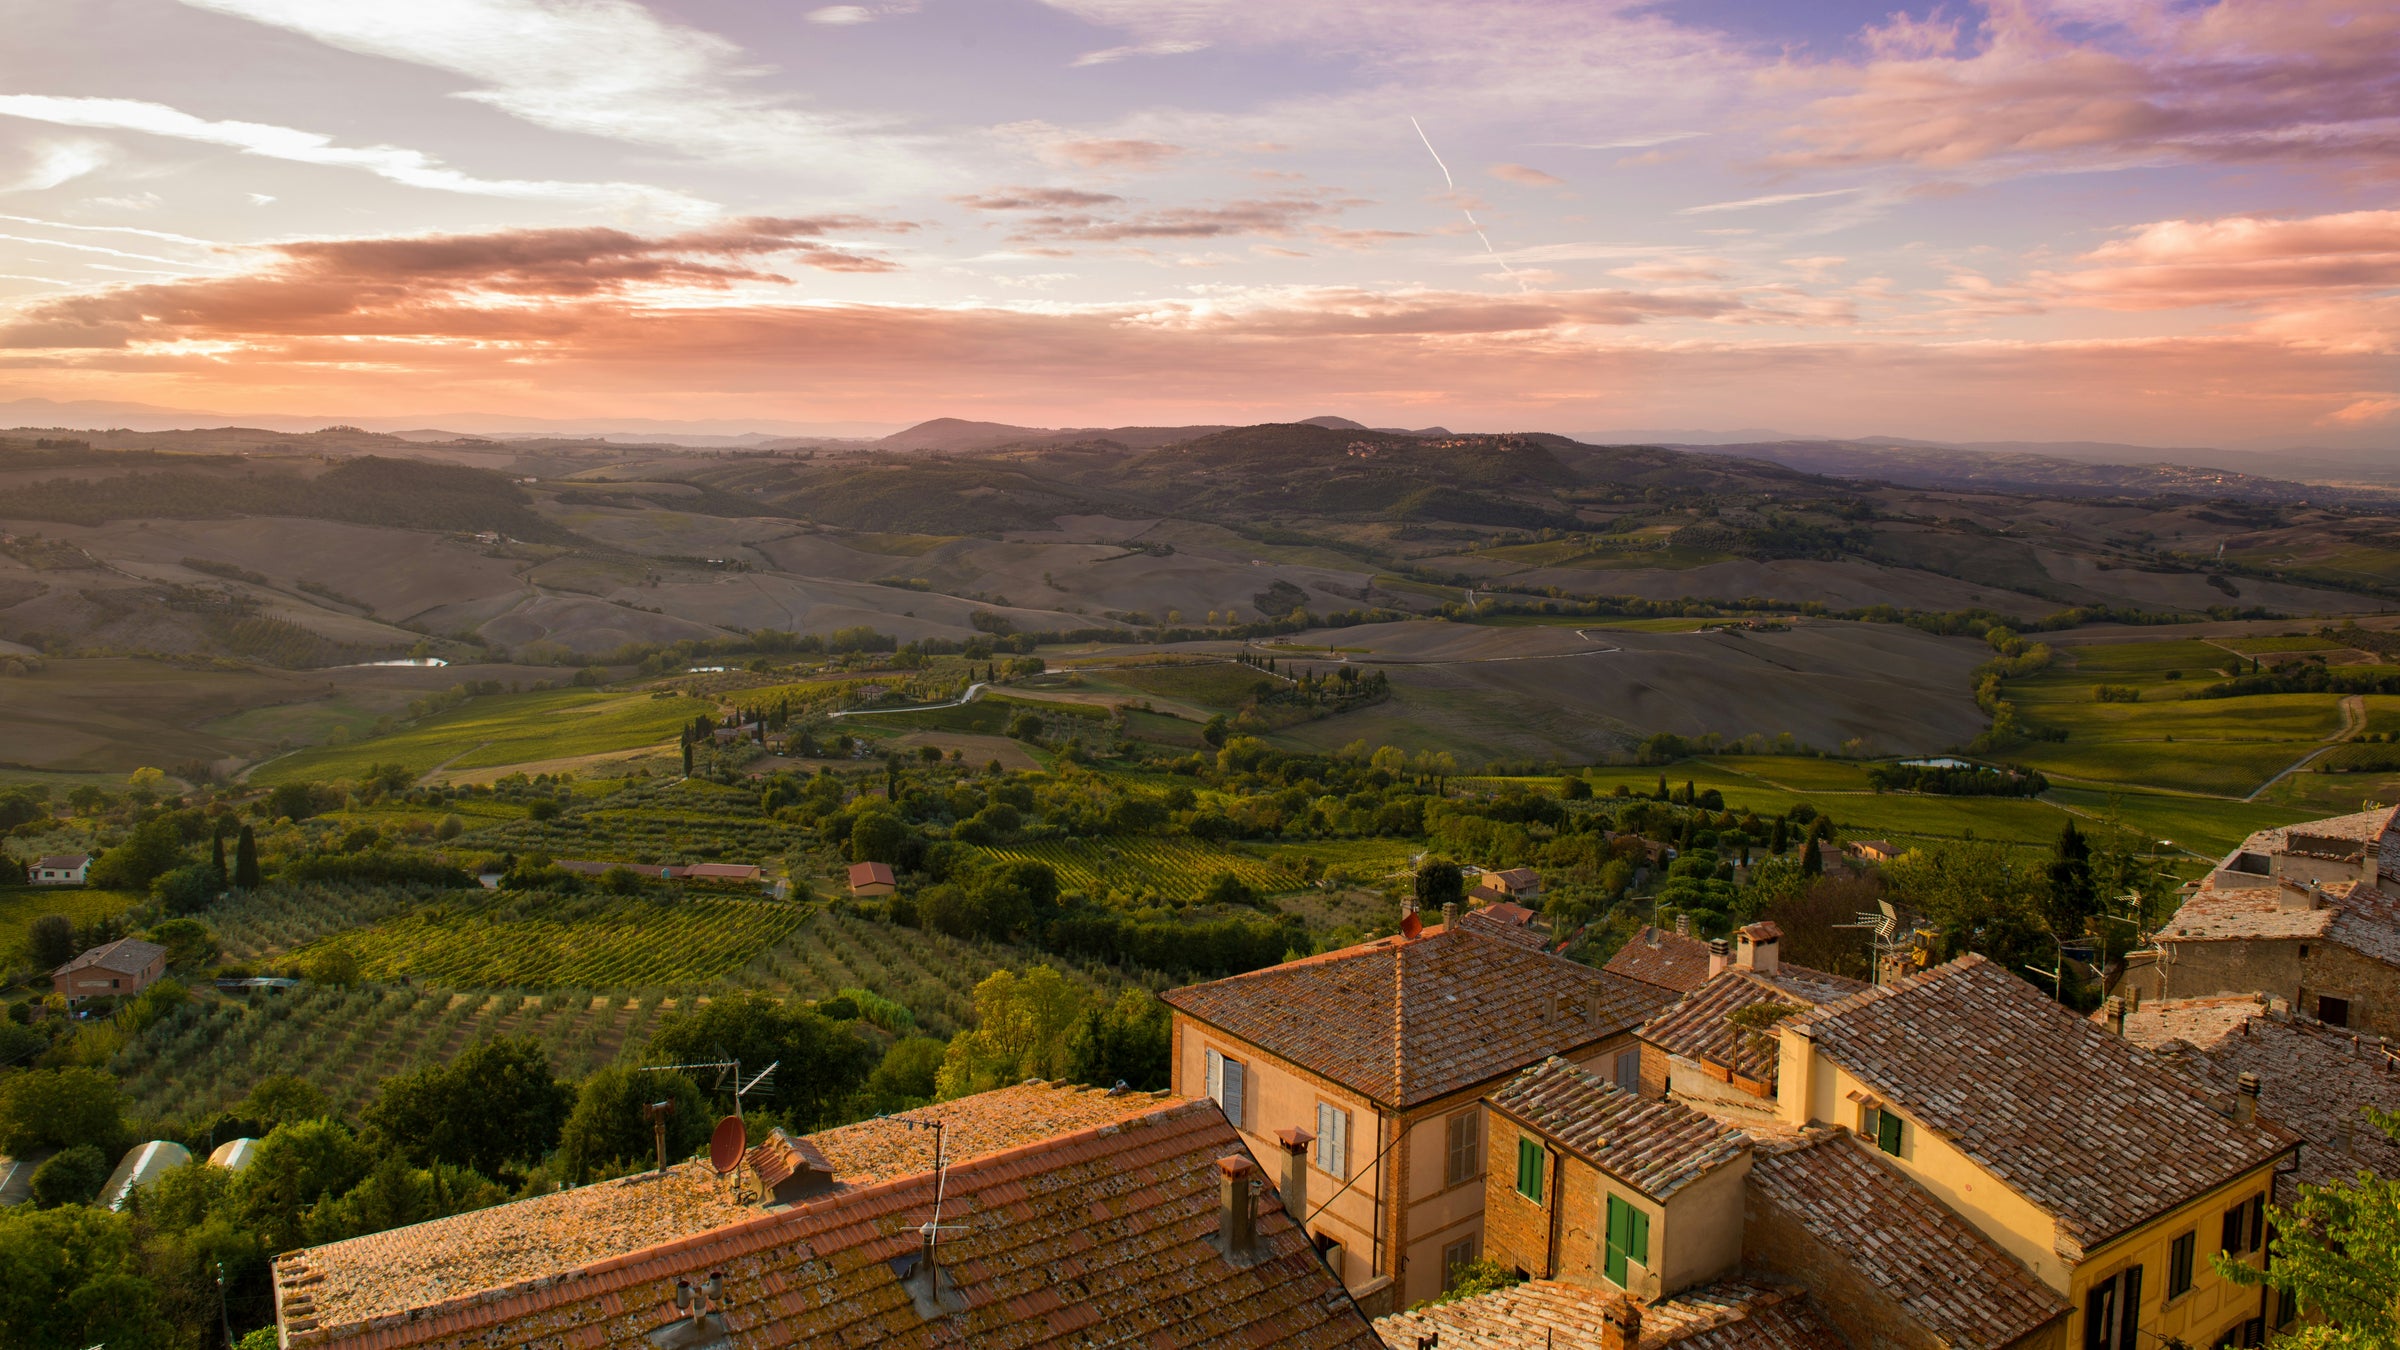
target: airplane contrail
<point>1473,223</point>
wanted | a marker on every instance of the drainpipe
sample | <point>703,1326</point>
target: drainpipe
<point>1558,1206</point>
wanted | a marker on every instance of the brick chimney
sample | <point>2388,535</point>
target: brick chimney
<point>1621,1324</point>
<point>1683,925</point>
<point>1295,1143</point>
<point>1237,1219</point>
<point>1717,957</point>
<point>2114,1011</point>
<point>1449,916</point>
<point>2245,1099</point>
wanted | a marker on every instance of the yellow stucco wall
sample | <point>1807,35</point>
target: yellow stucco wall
<point>1816,1090</point>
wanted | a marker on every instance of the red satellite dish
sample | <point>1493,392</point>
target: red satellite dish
<point>726,1144</point>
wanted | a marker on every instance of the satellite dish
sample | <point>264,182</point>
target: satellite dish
<point>726,1144</point>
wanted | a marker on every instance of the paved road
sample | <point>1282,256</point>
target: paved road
<point>974,692</point>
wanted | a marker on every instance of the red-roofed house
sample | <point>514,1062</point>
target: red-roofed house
<point>871,879</point>
<point>125,966</point>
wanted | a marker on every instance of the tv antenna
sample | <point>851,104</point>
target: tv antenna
<point>1884,926</point>
<point>728,1070</point>
<point>922,1274</point>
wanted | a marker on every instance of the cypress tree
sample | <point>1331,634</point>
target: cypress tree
<point>245,860</point>
<point>1781,838</point>
<point>1812,862</point>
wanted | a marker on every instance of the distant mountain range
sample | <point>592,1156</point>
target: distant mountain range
<point>724,433</point>
<point>951,435</point>
<point>2071,466</point>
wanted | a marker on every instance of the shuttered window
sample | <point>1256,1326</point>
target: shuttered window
<point>1462,1155</point>
<point>1887,1132</point>
<point>1629,1070</point>
<point>2179,1264</point>
<point>1333,1140</point>
<point>1225,1085</point>
<point>1529,1170</point>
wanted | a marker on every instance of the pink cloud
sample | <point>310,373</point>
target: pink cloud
<point>2237,80</point>
<point>1527,175</point>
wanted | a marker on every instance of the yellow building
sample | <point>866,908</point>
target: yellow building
<point>2112,1179</point>
<point>1364,1070</point>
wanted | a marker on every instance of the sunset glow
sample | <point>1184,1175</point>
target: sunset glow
<point>2144,221</point>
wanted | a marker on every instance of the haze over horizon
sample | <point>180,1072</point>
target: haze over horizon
<point>2153,224</point>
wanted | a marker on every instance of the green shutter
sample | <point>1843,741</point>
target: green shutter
<point>1529,1170</point>
<point>1887,1132</point>
<point>1628,1240</point>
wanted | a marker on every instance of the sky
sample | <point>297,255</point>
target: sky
<point>2150,221</point>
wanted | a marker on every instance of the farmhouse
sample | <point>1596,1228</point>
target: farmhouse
<point>1068,1215</point>
<point>61,869</point>
<point>1873,850</point>
<point>2308,913</point>
<point>1373,1060</point>
<point>125,966</point>
<point>872,879</point>
<point>1506,920</point>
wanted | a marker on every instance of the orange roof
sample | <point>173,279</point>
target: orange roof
<point>862,874</point>
<point>1103,1234</point>
<point>1668,960</point>
<point>410,1267</point>
<point>1404,1021</point>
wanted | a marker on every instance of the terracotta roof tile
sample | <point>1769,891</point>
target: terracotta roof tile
<point>1553,1315</point>
<point>1102,1236</point>
<point>1507,922</point>
<point>1697,1028</point>
<point>540,1238</point>
<point>1668,960</point>
<point>2228,914</point>
<point>2313,1079</point>
<point>1657,1147</point>
<point>1945,1274</point>
<point>2090,1129</point>
<point>126,956</point>
<point>1404,1021</point>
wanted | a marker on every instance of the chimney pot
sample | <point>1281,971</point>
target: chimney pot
<point>1683,925</point>
<point>1718,957</point>
<point>2245,1099</point>
<point>1237,1219</point>
<point>1449,916</point>
<point>1295,1172</point>
<point>1621,1324</point>
<point>2116,1016</point>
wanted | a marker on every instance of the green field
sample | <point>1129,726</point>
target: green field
<point>2261,646</point>
<point>2198,824</point>
<point>497,730</point>
<point>1219,684</point>
<point>2191,656</point>
<point>1174,867</point>
<point>469,940</point>
<point>19,907</point>
<point>2217,768</point>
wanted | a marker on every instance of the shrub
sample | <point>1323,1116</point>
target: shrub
<point>71,1177</point>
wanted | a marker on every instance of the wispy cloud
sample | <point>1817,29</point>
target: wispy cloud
<point>1778,199</point>
<point>411,168</point>
<point>1107,55</point>
<point>607,68</point>
<point>55,163</point>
